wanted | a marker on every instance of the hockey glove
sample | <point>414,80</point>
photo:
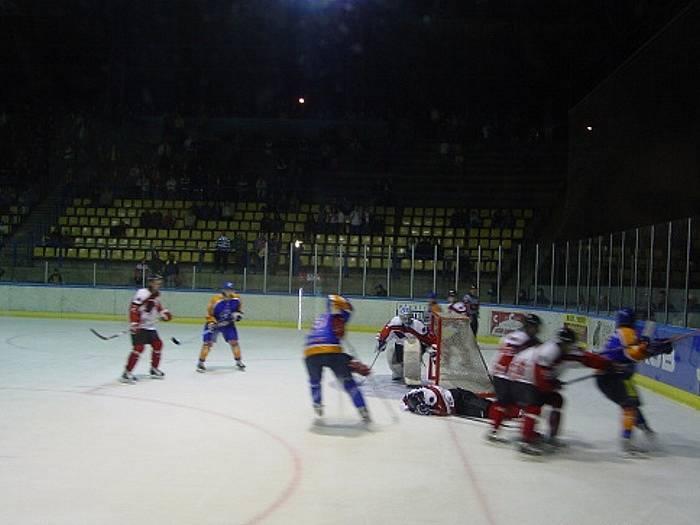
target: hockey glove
<point>381,346</point>
<point>165,315</point>
<point>359,367</point>
<point>423,409</point>
<point>211,327</point>
<point>660,346</point>
<point>237,316</point>
<point>134,328</point>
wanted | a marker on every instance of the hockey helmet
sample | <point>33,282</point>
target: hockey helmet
<point>625,317</point>
<point>532,321</point>
<point>405,314</point>
<point>154,277</point>
<point>339,305</point>
<point>452,296</point>
<point>565,336</point>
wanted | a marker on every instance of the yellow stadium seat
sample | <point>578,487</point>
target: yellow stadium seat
<point>151,233</point>
<point>208,257</point>
<point>507,243</point>
<point>38,251</point>
<point>528,214</point>
<point>72,221</point>
<point>518,234</point>
<point>245,226</point>
<point>63,221</point>
<point>417,221</point>
<point>484,233</point>
<point>185,257</point>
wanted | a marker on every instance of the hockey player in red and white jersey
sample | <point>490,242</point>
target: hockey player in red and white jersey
<point>533,375</point>
<point>511,344</point>
<point>145,310</point>
<point>433,400</point>
<point>398,329</point>
<point>454,305</point>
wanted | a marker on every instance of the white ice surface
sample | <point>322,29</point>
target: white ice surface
<point>230,447</point>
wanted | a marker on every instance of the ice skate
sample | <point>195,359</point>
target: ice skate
<point>494,438</point>
<point>157,373</point>
<point>631,451</point>
<point>128,377</point>
<point>530,449</point>
<point>201,368</point>
<point>366,419</point>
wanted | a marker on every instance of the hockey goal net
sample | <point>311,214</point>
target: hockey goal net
<point>458,362</point>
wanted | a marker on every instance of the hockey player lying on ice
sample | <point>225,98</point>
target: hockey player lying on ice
<point>433,400</point>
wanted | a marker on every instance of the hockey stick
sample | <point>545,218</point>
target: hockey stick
<point>108,337</point>
<point>578,379</point>
<point>373,384</point>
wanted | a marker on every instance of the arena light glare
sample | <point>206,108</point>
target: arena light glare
<point>301,100</point>
<point>589,128</point>
<point>297,243</point>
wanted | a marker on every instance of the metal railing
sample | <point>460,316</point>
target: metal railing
<point>651,269</point>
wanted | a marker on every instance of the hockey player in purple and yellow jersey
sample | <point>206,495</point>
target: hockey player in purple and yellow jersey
<point>626,349</point>
<point>223,311</point>
<point>323,349</point>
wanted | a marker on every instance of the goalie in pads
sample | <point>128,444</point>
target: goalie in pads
<point>400,329</point>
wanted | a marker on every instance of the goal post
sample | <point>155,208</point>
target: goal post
<point>458,362</point>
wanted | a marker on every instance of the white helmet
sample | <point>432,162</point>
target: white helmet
<point>405,314</point>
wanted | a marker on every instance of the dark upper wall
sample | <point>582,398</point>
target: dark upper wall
<point>640,164</point>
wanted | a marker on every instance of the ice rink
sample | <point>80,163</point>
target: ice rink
<point>231,447</point>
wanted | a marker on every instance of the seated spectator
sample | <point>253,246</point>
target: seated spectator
<point>356,220</point>
<point>190,219</point>
<point>379,290</point>
<point>171,272</point>
<point>523,297</point>
<point>156,263</point>
<point>141,271</point>
<point>541,298</point>
<point>168,220</point>
<point>118,229</point>
<point>55,277</point>
<point>54,239</point>
<point>474,219</point>
<point>171,187</point>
